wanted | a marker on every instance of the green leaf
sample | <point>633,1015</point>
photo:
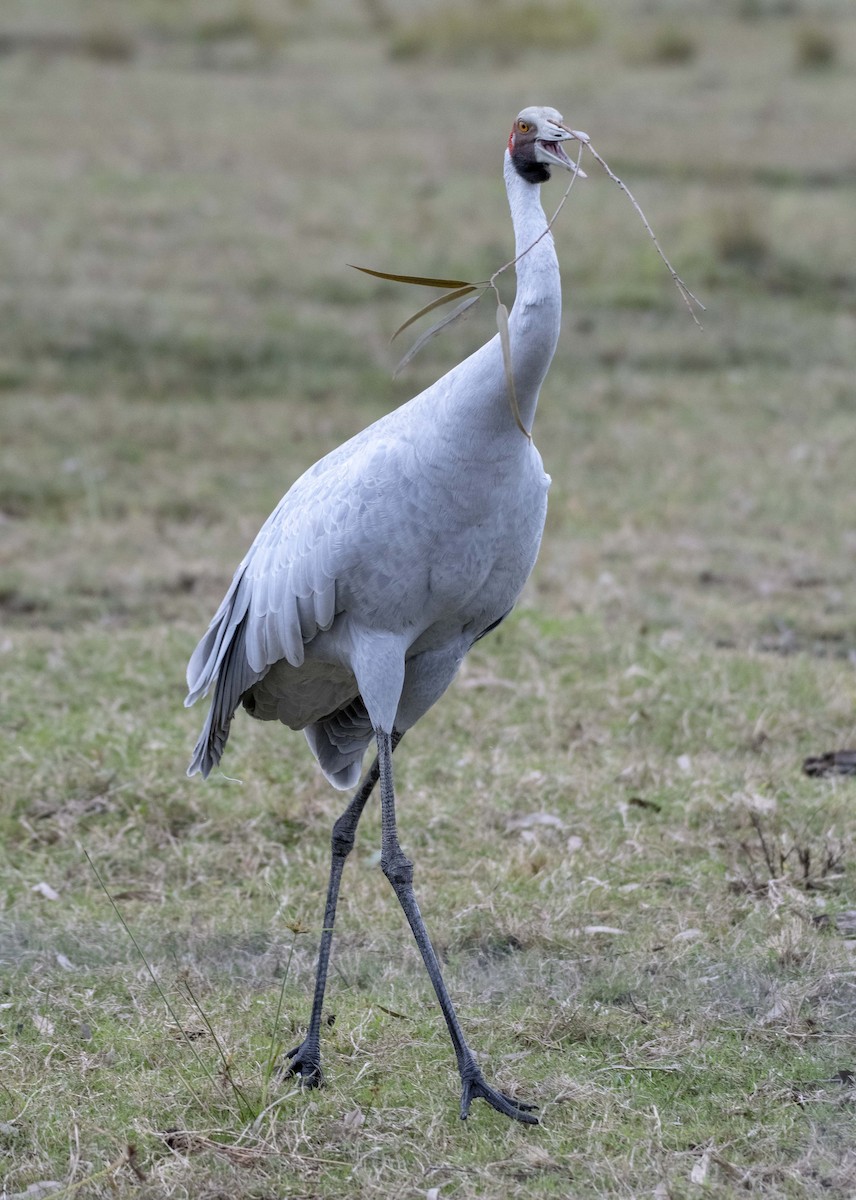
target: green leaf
<point>435,329</point>
<point>447,299</point>
<point>423,280</point>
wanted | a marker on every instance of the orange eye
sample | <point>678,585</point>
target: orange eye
<point>523,127</point>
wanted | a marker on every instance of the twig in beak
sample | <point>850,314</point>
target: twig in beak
<point>687,296</point>
<point>462,289</point>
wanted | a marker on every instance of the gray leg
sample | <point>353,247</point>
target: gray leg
<point>399,871</point>
<point>306,1058</point>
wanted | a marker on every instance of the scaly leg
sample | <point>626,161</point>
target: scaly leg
<point>399,871</point>
<point>306,1058</point>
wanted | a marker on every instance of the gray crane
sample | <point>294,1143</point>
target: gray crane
<point>384,563</point>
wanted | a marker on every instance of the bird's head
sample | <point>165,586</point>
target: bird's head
<point>536,144</point>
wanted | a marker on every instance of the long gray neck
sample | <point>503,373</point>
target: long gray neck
<point>470,405</point>
<point>536,316</point>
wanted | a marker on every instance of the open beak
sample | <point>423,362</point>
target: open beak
<point>552,148</point>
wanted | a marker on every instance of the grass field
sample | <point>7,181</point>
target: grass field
<point>645,907</point>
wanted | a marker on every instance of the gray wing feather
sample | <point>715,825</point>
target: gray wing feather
<point>230,686</point>
<point>282,599</point>
<point>208,657</point>
<point>285,591</point>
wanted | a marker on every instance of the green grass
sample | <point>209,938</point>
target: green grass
<point>664,963</point>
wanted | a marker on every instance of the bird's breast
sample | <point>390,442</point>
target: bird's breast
<point>444,539</point>
<point>476,567</point>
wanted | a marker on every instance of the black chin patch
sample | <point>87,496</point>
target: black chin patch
<point>529,169</point>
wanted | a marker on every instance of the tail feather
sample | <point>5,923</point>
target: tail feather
<point>209,748</point>
<point>233,680</point>
<point>339,743</point>
<point>208,659</point>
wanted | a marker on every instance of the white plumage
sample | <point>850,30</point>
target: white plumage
<point>367,585</point>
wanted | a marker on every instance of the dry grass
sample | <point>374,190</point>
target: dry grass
<point>815,48</point>
<point>641,900</point>
<point>667,45</point>
<point>501,32</point>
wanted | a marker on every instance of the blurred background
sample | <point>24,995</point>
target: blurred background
<point>183,183</point>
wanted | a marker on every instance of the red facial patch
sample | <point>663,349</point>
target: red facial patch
<point>511,140</point>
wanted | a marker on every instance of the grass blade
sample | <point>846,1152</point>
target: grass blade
<point>422,280</point>
<point>272,1052</point>
<point>435,329</point>
<point>243,1102</point>
<point>447,299</point>
<point>178,1024</point>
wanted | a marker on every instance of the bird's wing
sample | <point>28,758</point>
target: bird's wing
<point>286,588</point>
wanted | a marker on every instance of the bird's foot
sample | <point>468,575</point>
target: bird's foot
<point>305,1061</point>
<point>474,1085</point>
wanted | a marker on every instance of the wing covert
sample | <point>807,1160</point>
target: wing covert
<point>321,545</point>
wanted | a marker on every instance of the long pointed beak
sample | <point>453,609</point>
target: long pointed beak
<point>576,134</point>
<point>552,148</point>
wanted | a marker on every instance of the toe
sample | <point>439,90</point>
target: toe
<point>305,1062</point>
<point>517,1110</point>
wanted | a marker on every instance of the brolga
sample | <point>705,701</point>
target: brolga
<point>384,563</point>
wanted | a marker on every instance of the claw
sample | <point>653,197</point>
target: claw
<point>305,1062</point>
<point>473,1085</point>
